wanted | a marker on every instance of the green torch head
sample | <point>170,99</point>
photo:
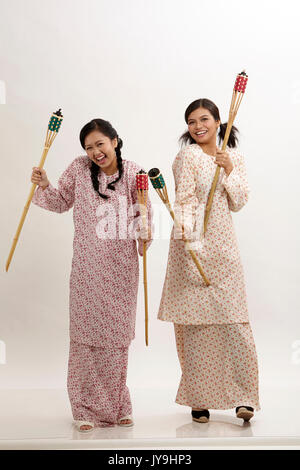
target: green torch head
<point>55,121</point>
<point>156,178</point>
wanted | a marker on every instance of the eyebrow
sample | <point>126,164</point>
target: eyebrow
<point>203,115</point>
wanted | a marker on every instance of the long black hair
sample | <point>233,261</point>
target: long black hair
<point>105,128</point>
<point>186,137</point>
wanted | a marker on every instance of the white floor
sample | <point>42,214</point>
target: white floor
<point>42,419</point>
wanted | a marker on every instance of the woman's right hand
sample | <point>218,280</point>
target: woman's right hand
<point>39,177</point>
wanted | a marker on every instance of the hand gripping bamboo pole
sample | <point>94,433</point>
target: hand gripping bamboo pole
<point>237,96</point>
<point>142,194</point>
<point>52,130</point>
<point>160,187</point>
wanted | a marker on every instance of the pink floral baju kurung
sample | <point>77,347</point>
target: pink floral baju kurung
<point>213,335</point>
<point>103,286</point>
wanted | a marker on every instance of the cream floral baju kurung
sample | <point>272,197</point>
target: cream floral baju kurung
<point>213,334</point>
<point>103,286</point>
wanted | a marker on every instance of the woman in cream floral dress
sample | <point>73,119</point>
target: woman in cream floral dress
<point>214,339</point>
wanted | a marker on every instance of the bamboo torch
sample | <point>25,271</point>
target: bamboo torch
<point>142,194</point>
<point>53,128</point>
<point>237,96</point>
<point>160,187</point>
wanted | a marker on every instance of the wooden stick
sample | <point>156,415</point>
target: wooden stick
<point>216,178</point>
<point>232,101</point>
<point>31,193</point>
<point>142,198</point>
<point>166,201</point>
<point>55,121</point>
<point>145,222</point>
<point>237,97</point>
<point>188,246</point>
<point>238,104</point>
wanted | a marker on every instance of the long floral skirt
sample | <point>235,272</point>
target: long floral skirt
<point>219,366</point>
<point>97,384</point>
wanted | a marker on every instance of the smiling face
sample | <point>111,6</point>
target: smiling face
<point>202,126</point>
<point>101,150</point>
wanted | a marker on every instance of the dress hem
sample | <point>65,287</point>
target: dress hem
<point>205,324</point>
<point>230,406</point>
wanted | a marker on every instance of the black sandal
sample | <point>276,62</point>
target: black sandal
<point>245,412</point>
<point>200,416</point>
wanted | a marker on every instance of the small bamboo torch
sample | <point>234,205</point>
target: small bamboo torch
<point>237,96</point>
<point>160,187</point>
<point>142,194</point>
<point>53,128</point>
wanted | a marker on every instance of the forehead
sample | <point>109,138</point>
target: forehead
<point>93,137</point>
<point>198,113</point>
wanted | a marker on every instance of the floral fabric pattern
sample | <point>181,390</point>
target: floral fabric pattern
<point>219,366</point>
<point>185,298</point>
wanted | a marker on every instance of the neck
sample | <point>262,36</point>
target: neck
<point>111,169</point>
<point>209,148</point>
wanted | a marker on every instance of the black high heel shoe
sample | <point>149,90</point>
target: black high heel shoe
<point>201,416</point>
<point>245,412</point>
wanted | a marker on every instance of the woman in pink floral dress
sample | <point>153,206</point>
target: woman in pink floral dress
<point>214,339</point>
<point>101,188</point>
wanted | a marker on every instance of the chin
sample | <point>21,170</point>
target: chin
<point>105,165</point>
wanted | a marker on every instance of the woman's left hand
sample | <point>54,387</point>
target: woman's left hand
<point>223,160</point>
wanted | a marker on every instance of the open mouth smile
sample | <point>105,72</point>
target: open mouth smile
<point>201,133</point>
<point>101,158</point>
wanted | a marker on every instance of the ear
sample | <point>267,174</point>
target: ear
<point>218,123</point>
<point>115,142</point>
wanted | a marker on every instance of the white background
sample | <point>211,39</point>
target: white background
<point>139,64</point>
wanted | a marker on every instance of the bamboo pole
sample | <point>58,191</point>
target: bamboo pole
<point>54,123</point>
<point>161,189</point>
<point>237,96</point>
<point>142,194</point>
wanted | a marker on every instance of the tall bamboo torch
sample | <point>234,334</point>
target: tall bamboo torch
<point>160,187</point>
<point>237,96</point>
<point>142,194</point>
<point>53,128</point>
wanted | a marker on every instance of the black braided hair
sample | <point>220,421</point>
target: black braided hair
<point>186,137</point>
<point>119,163</point>
<point>105,128</point>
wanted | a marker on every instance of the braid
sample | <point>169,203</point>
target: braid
<point>94,175</point>
<point>119,163</point>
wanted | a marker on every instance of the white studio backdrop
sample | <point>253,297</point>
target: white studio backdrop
<point>139,64</point>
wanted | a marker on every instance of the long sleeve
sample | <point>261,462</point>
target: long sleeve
<point>236,185</point>
<point>61,199</point>
<point>186,200</point>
